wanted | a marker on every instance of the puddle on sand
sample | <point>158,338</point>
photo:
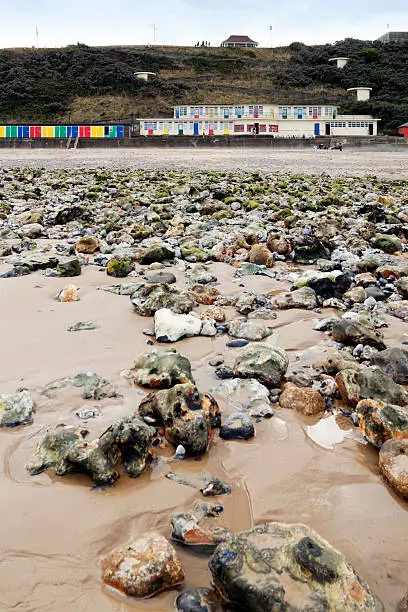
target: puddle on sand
<point>327,432</point>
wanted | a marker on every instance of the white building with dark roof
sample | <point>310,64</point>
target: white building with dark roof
<point>279,121</point>
<point>239,40</point>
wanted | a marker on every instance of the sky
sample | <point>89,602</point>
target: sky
<point>185,22</point>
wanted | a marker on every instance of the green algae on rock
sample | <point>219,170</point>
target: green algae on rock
<point>160,369</point>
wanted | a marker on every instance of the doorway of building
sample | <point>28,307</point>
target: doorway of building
<point>371,129</point>
<point>328,132</point>
<point>317,129</point>
<point>195,129</point>
<point>256,127</point>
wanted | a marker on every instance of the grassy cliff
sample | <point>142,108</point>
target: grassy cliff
<point>98,84</point>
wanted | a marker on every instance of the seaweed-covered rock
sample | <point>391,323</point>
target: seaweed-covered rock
<point>287,567</point>
<point>387,242</point>
<point>147,299</point>
<point>393,462</point>
<point>402,287</point>
<point>87,245</point>
<point>144,567</point>
<point>394,362</point>
<point>93,386</point>
<point>170,327</point>
<point>201,599</point>
<point>380,421</point>
<point>192,530</point>
<point>310,251</point>
<point>16,409</point>
<point>249,330</point>
<point>237,426</point>
<point>160,369</point>
<point>352,333</point>
<point>186,414</point>
<point>304,400</point>
<point>65,449</point>
<point>300,298</point>
<point>263,362</point>
<point>369,383</point>
<point>119,267</point>
<point>156,253</point>
<point>68,266</point>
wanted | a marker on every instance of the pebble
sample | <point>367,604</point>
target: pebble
<point>237,343</point>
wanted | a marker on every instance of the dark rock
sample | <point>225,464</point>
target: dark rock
<point>310,253</point>
<point>266,363</point>
<point>387,243</point>
<point>160,369</point>
<point>394,362</point>
<point>197,600</point>
<point>214,487</point>
<point>156,253</point>
<point>149,298</point>
<point>158,278</point>
<point>237,343</point>
<point>352,333</point>
<point>237,427</point>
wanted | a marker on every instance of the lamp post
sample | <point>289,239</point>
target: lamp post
<point>154,28</point>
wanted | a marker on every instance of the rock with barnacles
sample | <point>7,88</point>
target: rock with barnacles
<point>160,369</point>
<point>194,529</point>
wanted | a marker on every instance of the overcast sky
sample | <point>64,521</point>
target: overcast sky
<point>184,22</point>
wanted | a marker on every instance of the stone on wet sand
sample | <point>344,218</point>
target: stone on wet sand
<point>156,253</point>
<point>394,362</point>
<point>87,245</point>
<point>304,400</point>
<point>170,327</point>
<point>144,567</point>
<point>200,275</point>
<point>246,395</point>
<point>16,409</point>
<point>201,599</point>
<point>393,463</point>
<point>369,383</point>
<point>187,416</point>
<point>147,299</point>
<point>333,361</point>
<point>352,333</point>
<point>69,293</point>
<point>287,567</point>
<point>265,314</point>
<point>237,426</point>
<point>300,298</point>
<point>82,325</point>
<point>68,266</point>
<point>65,449</point>
<point>266,363</point>
<point>190,528</point>
<point>119,267</point>
<point>380,421</point>
<point>160,277</point>
<point>214,312</point>
<point>204,294</point>
<point>261,255</point>
<point>160,369</point>
<point>249,330</point>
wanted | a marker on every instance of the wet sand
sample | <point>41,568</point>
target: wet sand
<point>54,530</point>
<point>346,163</point>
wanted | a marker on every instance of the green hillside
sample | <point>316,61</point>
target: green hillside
<point>89,84</point>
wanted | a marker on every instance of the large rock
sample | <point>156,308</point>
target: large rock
<point>278,244</point>
<point>304,400</point>
<point>186,414</point>
<point>204,294</point>
<point>156,253</point>
<point>200,275</point>
<point>387,243</point>
<point>394,362</point>
<point>170,327</point>
<point>31,230</point>
<point>147,299</point>
<point>16,409</point>
<point>65,449</point>
<point>333,361</point>
<point>402,287</point>
<point>119,267</point>
<point>266,363</point>
<point>191,530</point>
<point>277,567</point>
<point>352,333</point>
<point>261,255</point>
<point>87,245</point>
<point>69,266</point>
<point>160,369</point>
<point>30,217</point>
<point>246,395</point>
<point>144,567</point>
<point>300,298</point>
<point>393,462</point>
<point>369,383</point>
<point>380,422</point>
<point>237,426</point>
<point>311,252</point>
<point>249,330</point>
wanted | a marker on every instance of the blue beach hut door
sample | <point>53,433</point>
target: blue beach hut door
<point>317,129</point>
<point>195,129</point>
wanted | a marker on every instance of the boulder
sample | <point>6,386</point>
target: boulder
<point>201,599</point>
<point>266,314</point>
<point>156,253</point>
<point>334,361</point>
<point>30,217</point>
<point>66,450</point>
<point>402,287</point>
<point>287,567</point>
<point>393,462</point>
<point>200,275</point>
<point>387,243</point>
<point>238,426</point>
<point>278,244</point>
<point>304,400</point>
<point>170,327</point>
<point>249,330</point>
<point>144,567</point>
<point>261,255</point>
<point>191,530</point>
<point>87,245</point>
<point>310,253</point>
<point>246,395</point>
<point>69,266</point>
<point>31,230</point>
<point>369,383</point>
<point>186,414</point>
<point>119,267</point>
<point>352,333</point>
<point>394,362</point>
<point>160,277</point>
<point>266,363</point>
<point>16,409</point>
<point>204,294</point>
<point>147,299</point>
<point>214,312</point>
<point>380,421</point>
<point>245,303</point>
<point>300,298</point>
<point>160,369</point>
<point>357,295</point>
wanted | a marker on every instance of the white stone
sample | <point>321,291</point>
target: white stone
<point>173,326</point>
<point>208,328</point>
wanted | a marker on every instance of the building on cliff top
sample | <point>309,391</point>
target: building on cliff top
<point>237,40</point>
